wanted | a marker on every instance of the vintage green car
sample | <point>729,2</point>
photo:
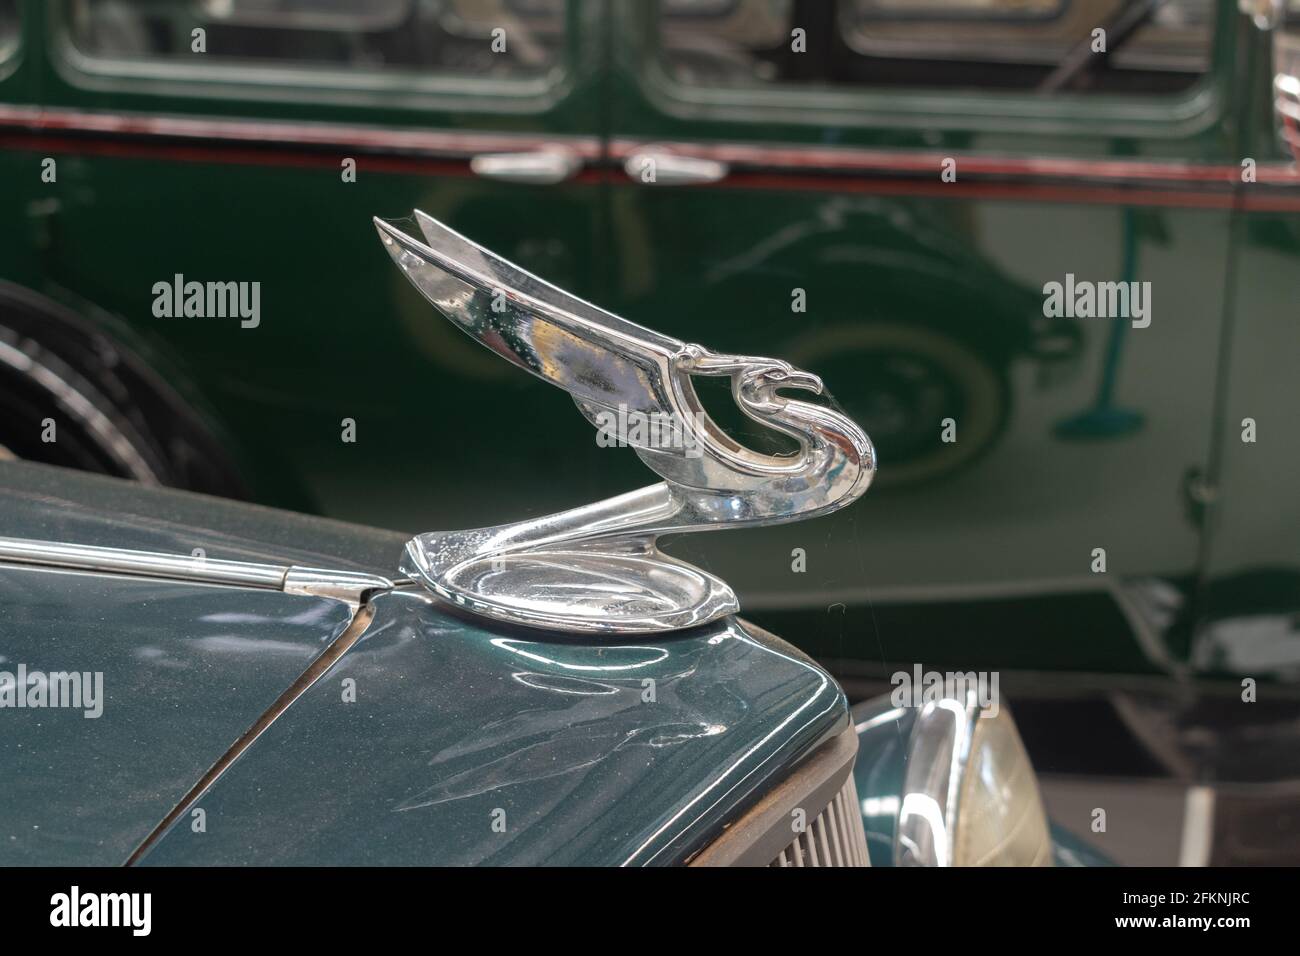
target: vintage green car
<point>905,196</point>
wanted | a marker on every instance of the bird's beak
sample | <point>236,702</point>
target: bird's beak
<point>798,378</point>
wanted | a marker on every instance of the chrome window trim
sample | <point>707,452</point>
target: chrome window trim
<point>408,87</point>
<point>229,12</point>
<point>351,587</point>
<point>1188,113</point>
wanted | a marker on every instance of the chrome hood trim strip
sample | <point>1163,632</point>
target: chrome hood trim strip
<point>347,586</point>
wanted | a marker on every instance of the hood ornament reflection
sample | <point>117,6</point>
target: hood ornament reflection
<point>597,568</point>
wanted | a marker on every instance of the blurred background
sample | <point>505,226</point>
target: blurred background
<point>875,190</point>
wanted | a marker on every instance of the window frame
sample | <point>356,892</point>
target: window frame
<point>1141,115</point>
<point>852,36</point>
<point>389,89</point>
<point>1007,17</point>
<point>266,19</point>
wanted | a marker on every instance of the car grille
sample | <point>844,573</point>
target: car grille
<point>819,794</point>
<point>834,837</point>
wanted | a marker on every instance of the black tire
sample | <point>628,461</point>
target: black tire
<point>104,408</point>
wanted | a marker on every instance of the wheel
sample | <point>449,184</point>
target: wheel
<point>73,397</point>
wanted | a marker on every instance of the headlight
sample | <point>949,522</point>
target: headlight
<point>970,797</point>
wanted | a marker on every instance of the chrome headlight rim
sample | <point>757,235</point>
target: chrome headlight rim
<point>944,742</point>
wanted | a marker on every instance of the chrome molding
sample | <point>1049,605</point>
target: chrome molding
<point>348,586</point>
<point>427,143</point>
<point>927,814</point>
<point>969,795</point>
<point>327,659</point>
<point>598,568</point>
<point>351,587</point>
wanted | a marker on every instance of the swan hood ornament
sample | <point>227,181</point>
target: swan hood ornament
<point>597,568</point>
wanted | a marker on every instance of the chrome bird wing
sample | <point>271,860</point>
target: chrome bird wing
<point>597,568</point>
<point>590,353</point>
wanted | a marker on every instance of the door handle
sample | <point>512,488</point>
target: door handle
<point>656,167</point>
<point>553,164</point>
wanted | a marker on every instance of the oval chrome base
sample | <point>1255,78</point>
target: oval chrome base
<point>584,590</point>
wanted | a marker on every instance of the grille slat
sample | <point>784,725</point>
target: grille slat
<point>835,837</point>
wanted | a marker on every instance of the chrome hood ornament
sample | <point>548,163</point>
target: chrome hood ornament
<point>597,568</point>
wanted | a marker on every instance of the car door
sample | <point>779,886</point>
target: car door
<point>251,143</point>
<point>903,198</point>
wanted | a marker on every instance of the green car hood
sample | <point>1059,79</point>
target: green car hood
<point>58,504</point>
<point>433,739</point>
<point>469,745</point>
<point>183,671</point>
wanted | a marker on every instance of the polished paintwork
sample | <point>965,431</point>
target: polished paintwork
<point>600,752</point>
<point>57,504</point>
<point>455,721</point>
<point>186,670</point>
<point>884,735</point>
<point>985,565</point>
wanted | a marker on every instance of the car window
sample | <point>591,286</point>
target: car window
<point>479,38</point>
<point>1152,46</point>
